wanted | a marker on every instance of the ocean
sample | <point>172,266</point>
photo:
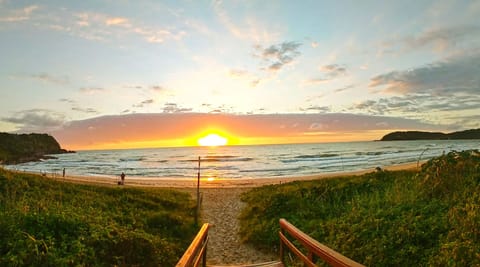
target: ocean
<point>233,162</point>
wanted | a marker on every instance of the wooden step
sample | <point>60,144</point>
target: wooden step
<point>263,264</point>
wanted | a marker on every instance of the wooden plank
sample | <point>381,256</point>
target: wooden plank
<point>193,250</point>
<point>327,254</point>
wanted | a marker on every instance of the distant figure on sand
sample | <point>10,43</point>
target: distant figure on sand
<point>122,179</point>
<point>63,172</point>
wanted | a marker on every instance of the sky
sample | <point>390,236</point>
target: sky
<point>121,74</point>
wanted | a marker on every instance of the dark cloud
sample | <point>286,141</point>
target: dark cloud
<point>338,90</point>
<point>319,109</point>
<point>279,55</point>
<point>453,76</point>
<point>85,110</point>
<point>144,103</point>
<point>36,120</point>
<point>173,108</point>
<point>423,106</point>
<point>67,100</point>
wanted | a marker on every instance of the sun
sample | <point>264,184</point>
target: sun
<point>212,140</point>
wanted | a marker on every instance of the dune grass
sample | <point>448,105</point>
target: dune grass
<point>53,223</point>
<point>398,218</point>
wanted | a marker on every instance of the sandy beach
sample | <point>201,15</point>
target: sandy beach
<point>221,207</point>
<point>216,183</point>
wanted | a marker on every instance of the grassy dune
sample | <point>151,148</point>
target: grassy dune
<point>51,223</point>
<point>401,218</point>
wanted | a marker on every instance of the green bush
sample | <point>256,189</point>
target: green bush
<point>400,218</point>
<point>50,223</point>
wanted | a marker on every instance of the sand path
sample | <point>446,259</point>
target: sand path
<point>221,207</point>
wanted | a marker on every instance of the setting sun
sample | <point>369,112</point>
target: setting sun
<point>212,140</point>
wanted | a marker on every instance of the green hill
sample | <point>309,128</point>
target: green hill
<point>417,135</point>
<point>18,148</point>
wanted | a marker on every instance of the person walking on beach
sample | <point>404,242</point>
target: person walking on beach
<point>63,172</point>
<point>122,178</point>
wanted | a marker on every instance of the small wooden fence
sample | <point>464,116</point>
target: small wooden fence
<point>196,253</point>
<point>314,248</point>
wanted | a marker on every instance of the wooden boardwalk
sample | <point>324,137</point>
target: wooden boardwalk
<point>196,254</point>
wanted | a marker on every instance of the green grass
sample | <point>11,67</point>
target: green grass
<point>400,218</point>
<point>51,223</point>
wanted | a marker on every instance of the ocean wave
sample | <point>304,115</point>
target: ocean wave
<point>219,159</point>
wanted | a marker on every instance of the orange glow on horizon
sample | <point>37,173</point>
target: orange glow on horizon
<point>231,140</point>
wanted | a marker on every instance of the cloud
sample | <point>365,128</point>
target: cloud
<point>442,39</point>
<point>427,107</point>
<point>91,90</point>
<point>47,78</point>
<point>22,14</point>
<point>334,70</point>
<point>36,120</point>
<point>95,26</point>
<point>85,110</point>
<point>144,103</point>
<point>345,88</point>
<point>319,109</point>
<point>173,108</point>
<point>316,81</point>
<point>157,88</point>
<point>249,29</point>
<point>245,75</point>
<point>117,21</point>
<point>279,55</point>
<point>453,76</point>
<point>330,72</point>
<point>67,100</point>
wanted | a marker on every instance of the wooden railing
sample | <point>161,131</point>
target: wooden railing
<point>196,253</point>
<point>314,248</point>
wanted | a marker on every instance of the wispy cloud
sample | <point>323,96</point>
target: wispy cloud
<point>85,110</point>
<point>333,71</point>
<point>248,29</point>
<point>45,78</point>
<point>439,39</point>
<point>19,14</point>
<point>91,90</point>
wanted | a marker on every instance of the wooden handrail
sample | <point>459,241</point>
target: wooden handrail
<point>313,247</point>
<point>196,253</point>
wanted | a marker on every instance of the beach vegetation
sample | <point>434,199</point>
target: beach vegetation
<point>429,217</point>
<point>53,223</point>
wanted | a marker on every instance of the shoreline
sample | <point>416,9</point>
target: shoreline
<point>215,183</point>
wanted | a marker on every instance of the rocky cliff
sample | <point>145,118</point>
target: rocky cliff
<point>18,148</point>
